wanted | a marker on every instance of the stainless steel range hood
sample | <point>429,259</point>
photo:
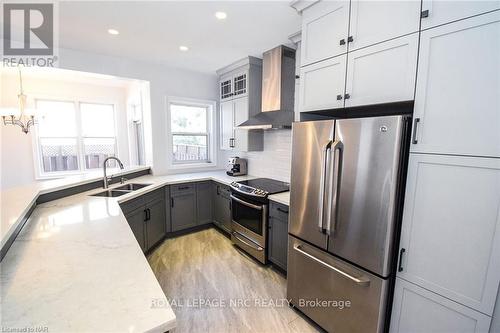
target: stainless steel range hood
<point>278,90</point>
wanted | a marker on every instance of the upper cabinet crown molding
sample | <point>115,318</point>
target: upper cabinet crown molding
<point>239,64</point>
<point>295,38</point>
<point>300,5</point>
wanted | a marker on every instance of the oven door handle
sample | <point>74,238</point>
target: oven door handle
<point>246,203</point>
<point>236,235</point>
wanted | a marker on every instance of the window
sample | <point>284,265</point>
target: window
<point>73,137</point>
<point>191,127</point>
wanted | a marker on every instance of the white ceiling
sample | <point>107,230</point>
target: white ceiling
<point>153,31</point>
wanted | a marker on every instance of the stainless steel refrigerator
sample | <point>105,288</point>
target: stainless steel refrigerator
<point>344,203</point>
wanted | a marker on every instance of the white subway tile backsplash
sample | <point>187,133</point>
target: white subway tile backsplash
<point>276,159</point>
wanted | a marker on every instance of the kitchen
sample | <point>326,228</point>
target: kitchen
<point>310,175</point>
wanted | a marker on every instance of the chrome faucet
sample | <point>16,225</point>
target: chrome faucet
<point>105,179</point>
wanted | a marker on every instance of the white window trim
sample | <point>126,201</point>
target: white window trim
<point>212,134</point>
<point>39,174</point>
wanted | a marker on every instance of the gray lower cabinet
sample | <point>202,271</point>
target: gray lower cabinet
<point>183,206</point>
<point>278,234</point>
<point>136,220</point>
<point>222,206</point>
<point>147,218</point>
<point>204,203</point>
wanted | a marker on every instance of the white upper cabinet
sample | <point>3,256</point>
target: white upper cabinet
<point>226,87</point>
<point>417,310</point>
<point>240,84</point>
<point>439,12</point>
<point>450,236</point>
<point>377,21</point>
<point>324,31</point>
<point>322,84</point>
<point>226,125</point>
<point>383,72</point>
<point>457,100</point>
<point>241,114</point>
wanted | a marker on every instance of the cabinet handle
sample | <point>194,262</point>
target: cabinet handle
<point>339,97</point>
<point>424,13</point>
<point>183,187</point>
<point>342,41</point>
<point>218,190</point>
<point>350,39</point>
<point>149,214</point>
<point>282,210</point>
<point>145,215</point>
<point>347,96</point>
<point>414,139</point>
<point>401,252</point>
<point>172,202</point>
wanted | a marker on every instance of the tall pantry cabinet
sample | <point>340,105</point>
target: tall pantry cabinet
<point>445,56</point>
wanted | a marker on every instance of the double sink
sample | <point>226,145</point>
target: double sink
<point>120,190</point>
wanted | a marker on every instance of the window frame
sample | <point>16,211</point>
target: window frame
<point>210,134</point>
<point>80,149</point>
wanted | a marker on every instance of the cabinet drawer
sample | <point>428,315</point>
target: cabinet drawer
<point>182,188</point>
<point>133,204</point>
<point>278,211</point>
<point>418,310</point>
<point>155,195</point>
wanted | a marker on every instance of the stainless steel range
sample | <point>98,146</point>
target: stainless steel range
<point>249,202</point>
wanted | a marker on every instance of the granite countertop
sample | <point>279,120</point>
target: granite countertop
<point>76,265</point>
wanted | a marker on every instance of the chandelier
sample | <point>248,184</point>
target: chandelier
<point>21,117</point>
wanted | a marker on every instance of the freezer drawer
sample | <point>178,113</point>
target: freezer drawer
<point>336,295</point>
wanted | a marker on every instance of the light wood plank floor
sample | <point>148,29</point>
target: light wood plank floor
<point>205,266</point>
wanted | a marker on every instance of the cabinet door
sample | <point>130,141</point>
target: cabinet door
<point>216,206</point>
<point>377,21</point>
<point>437,12</point>
<point>226,87</point>
<point>324,25</point>
<point>156,223</point>
<point>278,241</point>
<point>226,213</point>
<point>248,140</point>
<point>382,73</point>
<point>227,125</point>
<point>322,84</point>
<point>416,310</point>
<point>240,109</point>
<point>183,211</point>
<point>240,84</point>
<point>222,208</point>
<point>451,228</point>
<point>136,222</point>
<point>457,99</point>
<point>204,203</point>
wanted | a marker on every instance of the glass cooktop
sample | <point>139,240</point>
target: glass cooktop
<point>266,184</point>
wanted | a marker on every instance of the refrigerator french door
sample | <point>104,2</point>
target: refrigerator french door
<point>343,201</point>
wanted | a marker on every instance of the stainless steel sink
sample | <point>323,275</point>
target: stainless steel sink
<point>120,190</point>
<point>110,193</point>
<point>131,187</point>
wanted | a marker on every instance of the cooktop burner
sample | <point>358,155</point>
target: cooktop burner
<point>271,186</point>
<point>260,187</point>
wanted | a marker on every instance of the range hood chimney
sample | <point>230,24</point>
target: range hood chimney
<point>278,90</point>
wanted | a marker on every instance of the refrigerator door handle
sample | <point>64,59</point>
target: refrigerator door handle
<point>322,181</point>
<point>363,281</point>
<point>334,187</point>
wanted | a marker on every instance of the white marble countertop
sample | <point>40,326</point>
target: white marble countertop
<point>282,198</point>
<point>76,265</point>
<point>15,202</point>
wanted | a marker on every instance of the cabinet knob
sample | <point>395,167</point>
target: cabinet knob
<point>339,97</point>
<point>347,96</point>
<point>424,13</point>
<point>350,39</point>
<point>342,41</point>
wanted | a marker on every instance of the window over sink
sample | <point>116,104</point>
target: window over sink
<point>191,132</point>
<point>73,137</point>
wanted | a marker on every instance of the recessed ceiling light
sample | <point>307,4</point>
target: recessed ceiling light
<point>220,15</point>
<point>113,32</point>
<point>183,48</point>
